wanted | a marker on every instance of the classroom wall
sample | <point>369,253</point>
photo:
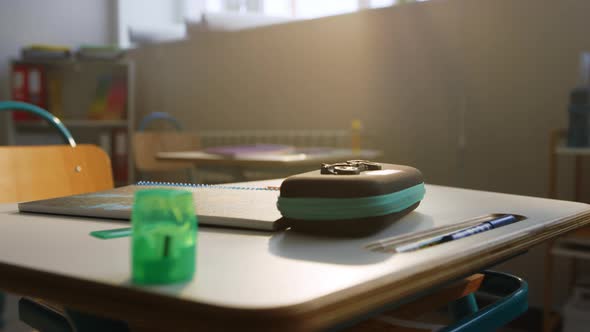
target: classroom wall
<point>62,22</point>
<point>465,90</point>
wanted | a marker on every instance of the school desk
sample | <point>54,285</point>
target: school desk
<point>238,164</point>
<point>269,281</point>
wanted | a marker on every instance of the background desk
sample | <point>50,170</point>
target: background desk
<point>238,165</point>
<point>282,281</point>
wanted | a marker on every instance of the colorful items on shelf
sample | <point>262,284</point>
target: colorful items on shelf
<point>110,99</point>
<point>37,80</point>
<point>54,95</point>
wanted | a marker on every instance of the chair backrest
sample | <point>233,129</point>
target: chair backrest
<point>158,116</point>
<point>38,172</point>
<point>147,144</point>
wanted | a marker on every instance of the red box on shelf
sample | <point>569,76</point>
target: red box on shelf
<point>28,85</point>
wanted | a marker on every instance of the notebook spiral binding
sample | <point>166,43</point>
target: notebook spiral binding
<point>201,185</point>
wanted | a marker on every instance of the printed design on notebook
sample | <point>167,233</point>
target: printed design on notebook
<point>235,206</point>
<point>121,199</point>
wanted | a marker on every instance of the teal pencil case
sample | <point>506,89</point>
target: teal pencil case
<point>353,198</point>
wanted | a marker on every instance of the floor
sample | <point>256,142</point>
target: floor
<point>11,321</point>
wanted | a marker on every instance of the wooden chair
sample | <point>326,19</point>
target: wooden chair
<point>38,172</point>
<point>148,143</point>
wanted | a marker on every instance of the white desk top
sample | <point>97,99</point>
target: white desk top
<point>298,274</point>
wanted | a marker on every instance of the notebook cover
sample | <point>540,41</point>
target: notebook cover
<point>243,207</point>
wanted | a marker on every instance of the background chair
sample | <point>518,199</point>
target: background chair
<point>39,172</point>
<point>146,144</point>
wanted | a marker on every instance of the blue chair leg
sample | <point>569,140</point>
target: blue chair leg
<point>463,307</point>
<point>511,301</point>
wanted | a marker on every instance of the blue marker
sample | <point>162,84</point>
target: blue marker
<point>485,226</point>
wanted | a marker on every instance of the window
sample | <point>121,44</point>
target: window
<point>287,8</point>
<point>158,20</point>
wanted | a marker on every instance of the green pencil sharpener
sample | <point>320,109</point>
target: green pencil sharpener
<point>163,237</point>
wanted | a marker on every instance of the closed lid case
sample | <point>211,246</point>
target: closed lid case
<point>354,198</point>
<point>388,179</point>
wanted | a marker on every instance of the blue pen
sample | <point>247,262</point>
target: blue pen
<point>484,226</point>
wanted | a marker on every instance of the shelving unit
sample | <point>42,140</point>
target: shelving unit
<point>576,245</point>
<point>74,124</point>
<point>78,84</point>
<point>566,150</point>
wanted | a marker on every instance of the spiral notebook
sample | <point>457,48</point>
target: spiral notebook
<point>219,205</point>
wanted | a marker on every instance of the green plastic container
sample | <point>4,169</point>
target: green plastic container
<point>164,232</point>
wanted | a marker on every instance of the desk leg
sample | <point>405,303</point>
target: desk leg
<point>553,142</point>
<point>2,305</point>
<point>574,274</point>
<point>548,319</point>
<point>578,179</point>
<point>552,174</point>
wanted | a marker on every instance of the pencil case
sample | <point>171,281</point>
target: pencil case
<point>355,198</point>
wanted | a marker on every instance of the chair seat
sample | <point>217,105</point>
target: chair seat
<point>511,301</point>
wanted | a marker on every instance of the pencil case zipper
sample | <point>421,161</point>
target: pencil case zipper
<point>306,208</point>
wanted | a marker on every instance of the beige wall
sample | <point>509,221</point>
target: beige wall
<point>423,77</point>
